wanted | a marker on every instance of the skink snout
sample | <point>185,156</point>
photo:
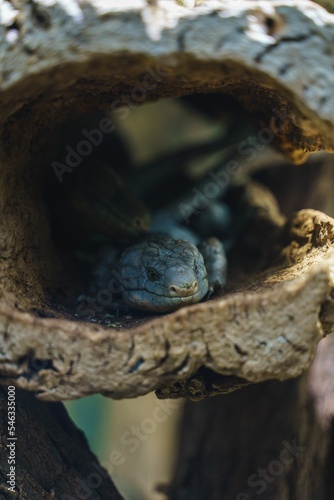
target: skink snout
<point>184,290</point>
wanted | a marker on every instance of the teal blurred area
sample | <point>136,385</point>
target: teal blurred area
<point>134,439</point>
<point>90,415</point>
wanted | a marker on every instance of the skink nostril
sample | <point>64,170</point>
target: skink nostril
<point>186,289</point>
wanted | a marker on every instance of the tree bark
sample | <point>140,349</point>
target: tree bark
<point>267,329</point>
<point>265,441</point>
<point>48,78</point>
<point>52,457</point>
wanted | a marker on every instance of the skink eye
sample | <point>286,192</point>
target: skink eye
<point>195,268</point>
<point>152,274</point>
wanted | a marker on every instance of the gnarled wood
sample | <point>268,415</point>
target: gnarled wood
<point>59,60</point>
<point>267,328</point>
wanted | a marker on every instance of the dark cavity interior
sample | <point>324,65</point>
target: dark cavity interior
<point>190,157</point>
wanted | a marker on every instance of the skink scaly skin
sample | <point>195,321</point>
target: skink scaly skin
<point>159,275</point>
<point>213,252</point>
<point>162,274</point>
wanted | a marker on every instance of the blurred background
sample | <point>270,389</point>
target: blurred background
<point>130,441</point>
<point>136,440</point>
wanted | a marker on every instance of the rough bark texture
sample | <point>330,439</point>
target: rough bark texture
<point>59,60</point>
<point>232,447</point>
<point>52,458</point>
<point>268,328</point>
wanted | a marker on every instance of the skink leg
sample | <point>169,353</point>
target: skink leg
<point>215,261</point>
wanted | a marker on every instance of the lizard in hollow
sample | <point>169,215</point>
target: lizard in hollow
<point>159,274</point>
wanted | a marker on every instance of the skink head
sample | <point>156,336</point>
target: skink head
<point>162,274</point>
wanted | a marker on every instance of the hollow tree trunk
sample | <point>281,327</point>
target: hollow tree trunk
<point>61,59</point>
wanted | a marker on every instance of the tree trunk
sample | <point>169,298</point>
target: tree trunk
<point>265,441</point>
<point>50,457</point>
<point>62,59</point>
